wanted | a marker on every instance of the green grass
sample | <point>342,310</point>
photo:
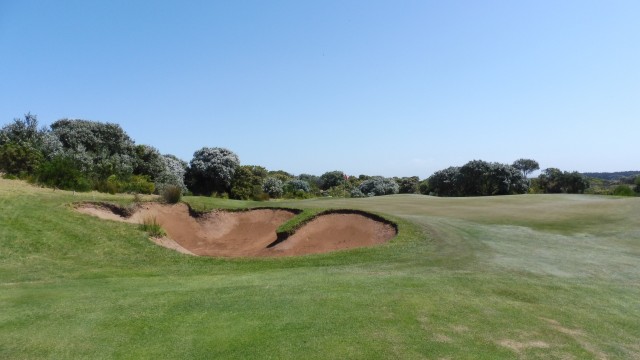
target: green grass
<point>152,227</point>
<point>530,277</point>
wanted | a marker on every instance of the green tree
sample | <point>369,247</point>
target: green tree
<point>296,188</point>
<point>526,166</point>
<point>424,187</point>
<point>273,187</point>
<point>553,180</point>
<point>149,162</point>
<point>481,178</point>
<point>19,159</point>
<point>212,170</point>
<point>378,185</point>
<point>64,173</point>
<point>95,137</point>
<point>313,180</point>
<point>408,185</point>
<point>101,149</point>
<point>623,190</point>
<point>445,182</point>
<point>22,131</point>
<point>172,175</point>
<point>478,178</point>
<point>331,179</point>
<point>281,175</point>
<point>247,182</point>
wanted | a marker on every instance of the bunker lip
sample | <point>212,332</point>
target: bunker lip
<point>251,232</point>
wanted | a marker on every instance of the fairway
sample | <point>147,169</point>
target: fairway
<point>524,277</point>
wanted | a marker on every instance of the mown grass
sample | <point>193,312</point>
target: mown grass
<point>531,277</point>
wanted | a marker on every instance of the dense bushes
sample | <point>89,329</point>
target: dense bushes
<point>64,173</point>
<point>83,155</point>
<point>331,179</point>
<point>554,180</point>
<point>149,162</point>
<point>247,182</point>
<point>378,185</point>
<point>295,185</point>
<point>445,182</point>
<point>212,170</point>
<point>478,178</point>
<point>273,187</point>
<point>296,188</point>
<point>623,190</point>
<point>172,174</point>
<point>19,159</point>
<point>136,184</point>
<point>408,185</point>
<point>171,194</point>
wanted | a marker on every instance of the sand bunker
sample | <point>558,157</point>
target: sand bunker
<point>251,232</point>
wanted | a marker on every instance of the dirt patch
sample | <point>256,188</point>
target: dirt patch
<point>249,233</point>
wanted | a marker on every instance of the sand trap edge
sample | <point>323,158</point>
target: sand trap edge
<point>284,235</point>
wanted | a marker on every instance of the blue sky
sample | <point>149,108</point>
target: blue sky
<point>394,88</point>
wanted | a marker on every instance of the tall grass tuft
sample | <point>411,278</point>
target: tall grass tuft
<point>172,194</point>
<point>151,226</point>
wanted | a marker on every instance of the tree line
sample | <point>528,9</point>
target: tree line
<point>87,155</point>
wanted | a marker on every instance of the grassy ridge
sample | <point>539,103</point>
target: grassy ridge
<point>545,276</point>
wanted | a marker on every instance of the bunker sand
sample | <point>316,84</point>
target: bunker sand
<point>250,233</point>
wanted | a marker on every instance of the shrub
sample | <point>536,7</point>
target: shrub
<point>138,184</point>
<point>257,194</point>
<point>408,185</point>
<point>331,179</point>
<point>312,180</point>
<point>424,187</point>
<point>554,180</point>
<point>623,190</point>
<point>104,149</point>
<point>19,158</point>
<point>296,185</point>
<point>152,227</point>
<point>280,175</point>
<point>445,182</point>
<point>478,178</point>
<point>63,173</point>
<point>112,185</point>
<point>273,187</point>
<point>245,181</point>
<point>298,194</point>
<point>148,161</point>
<point>212,170</point>
<point>173,173</point>
<point>377,185</point>
<point>356,193</point>
<point>172,194</point>
<point>22,131</point>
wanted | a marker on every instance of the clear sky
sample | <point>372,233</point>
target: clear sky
<point>393,88</point>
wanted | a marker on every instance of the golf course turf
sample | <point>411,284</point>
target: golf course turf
<point>526,277</point>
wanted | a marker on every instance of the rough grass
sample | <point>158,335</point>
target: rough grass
<point>152,227</point>
<point>529,277</point>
